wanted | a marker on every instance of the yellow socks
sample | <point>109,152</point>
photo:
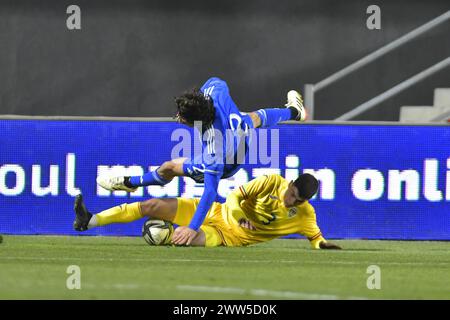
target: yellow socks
<point>126,212</point>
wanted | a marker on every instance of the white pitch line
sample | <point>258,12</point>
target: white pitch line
<point>223,260</point>
<point>265,293</point>
<point>119,286</point>
<point>140,259</point>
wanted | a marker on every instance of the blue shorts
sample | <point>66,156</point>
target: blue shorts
<point>195,170</point>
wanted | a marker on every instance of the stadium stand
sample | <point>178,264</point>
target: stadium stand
<point>439,111</point>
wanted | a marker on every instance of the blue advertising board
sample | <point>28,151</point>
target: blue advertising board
<point>376,181</point>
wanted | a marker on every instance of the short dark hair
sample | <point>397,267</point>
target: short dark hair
<point>193,106</point>
<point>306,185</point>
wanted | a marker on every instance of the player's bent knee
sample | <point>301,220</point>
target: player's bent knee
<point>164,209</point>
<point>150,207</point>
<point>168,170</point>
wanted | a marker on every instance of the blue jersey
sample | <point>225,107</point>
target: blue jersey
<point>222,138</point>
<point>220,144</point>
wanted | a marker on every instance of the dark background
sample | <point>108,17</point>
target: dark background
<point>132,57</point>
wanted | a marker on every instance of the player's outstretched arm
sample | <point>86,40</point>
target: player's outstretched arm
<point>329,245</point>
<point>310,229</point>
<point>184,235</point>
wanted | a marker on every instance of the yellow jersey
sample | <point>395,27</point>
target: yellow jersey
<point>261,202</point>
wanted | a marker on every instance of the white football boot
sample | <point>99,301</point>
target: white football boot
<point>114,184</point>
<point>294,99</point>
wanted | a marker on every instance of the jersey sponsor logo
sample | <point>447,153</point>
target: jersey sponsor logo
<point>292,212</point>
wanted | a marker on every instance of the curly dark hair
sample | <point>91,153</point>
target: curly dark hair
<point>195,106</point>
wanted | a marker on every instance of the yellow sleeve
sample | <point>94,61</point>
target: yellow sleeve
<point>315,244</point>
<point>248,190</point>
<point>234,204</point>
<point>258,185</point>
<point>310,229</point>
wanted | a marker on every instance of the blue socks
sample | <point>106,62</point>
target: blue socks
<point>149,179</point>
<point>270,117</point>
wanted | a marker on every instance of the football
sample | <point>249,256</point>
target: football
<point>157,232</point>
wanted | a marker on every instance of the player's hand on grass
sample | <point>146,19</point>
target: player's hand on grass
<point>244,223</point>
<point>183,236</point>
<point>329,245</point>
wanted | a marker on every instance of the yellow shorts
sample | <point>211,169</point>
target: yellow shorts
<point>217,232</point>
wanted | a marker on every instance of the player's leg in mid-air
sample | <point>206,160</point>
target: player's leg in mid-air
<point>164,209</point>
<point>160,176</point>
<point>295,110</point>
<point>262,118</point>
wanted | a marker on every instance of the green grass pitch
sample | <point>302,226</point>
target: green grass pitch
<point>35,267</point>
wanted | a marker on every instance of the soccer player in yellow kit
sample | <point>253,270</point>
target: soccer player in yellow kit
<point>265,208</point>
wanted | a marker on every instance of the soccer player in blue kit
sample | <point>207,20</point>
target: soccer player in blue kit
<point>212,107</point>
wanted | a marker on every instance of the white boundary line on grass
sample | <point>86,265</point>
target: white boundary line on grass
<point>142,259</point>
<point>362,262</point>
<point>265,293</point>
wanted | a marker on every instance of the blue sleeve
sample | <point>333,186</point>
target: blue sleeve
<point>206,201</point>
<point>220,86</point>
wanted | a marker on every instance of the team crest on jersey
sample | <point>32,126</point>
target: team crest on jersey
<point>292,212</point>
